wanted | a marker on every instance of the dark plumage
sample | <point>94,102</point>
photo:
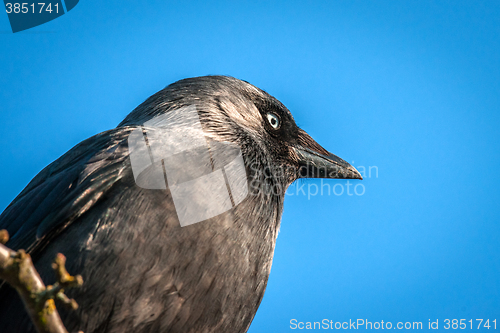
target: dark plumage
<point>142,271</point>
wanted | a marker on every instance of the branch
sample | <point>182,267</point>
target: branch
<point>17,269</point>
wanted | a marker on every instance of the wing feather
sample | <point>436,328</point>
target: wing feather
<point>66,189</point>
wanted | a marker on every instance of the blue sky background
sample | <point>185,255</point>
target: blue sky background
<point>410,87</point>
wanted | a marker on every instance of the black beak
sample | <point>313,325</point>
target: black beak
<point>316,162</point>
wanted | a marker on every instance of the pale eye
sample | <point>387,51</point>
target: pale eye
<point>273,119</point>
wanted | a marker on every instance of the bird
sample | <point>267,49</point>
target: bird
<point>154,258</point>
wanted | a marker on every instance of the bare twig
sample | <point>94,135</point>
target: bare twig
<point>17,269</point>
<point>4,236</point>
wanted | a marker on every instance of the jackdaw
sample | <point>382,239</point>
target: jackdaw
<point>181,242</point>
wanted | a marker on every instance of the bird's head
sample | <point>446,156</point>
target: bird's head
<point>274,148</point>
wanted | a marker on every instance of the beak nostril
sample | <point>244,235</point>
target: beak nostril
<point>315,165</point>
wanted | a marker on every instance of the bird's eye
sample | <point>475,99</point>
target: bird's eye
<point>274,121</point>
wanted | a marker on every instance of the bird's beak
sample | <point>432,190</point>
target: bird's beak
<point>316,162</point>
